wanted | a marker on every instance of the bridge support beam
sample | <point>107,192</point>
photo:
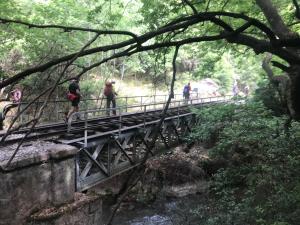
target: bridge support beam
<point>108,155</point>
<point>41,176</point>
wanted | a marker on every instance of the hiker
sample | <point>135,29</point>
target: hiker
<point>246,90</point>
<point>74,96</point>
<point>15,96</point>
<point>110,94</point>
<point>235,89</point>
<point>186,92</point>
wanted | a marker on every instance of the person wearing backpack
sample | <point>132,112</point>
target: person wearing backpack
<point>15,96</point>
<point>186,92</point>
<point>110,95</point>
<point>74,97</point>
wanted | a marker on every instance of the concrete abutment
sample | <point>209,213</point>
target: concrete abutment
<point>38,187</point>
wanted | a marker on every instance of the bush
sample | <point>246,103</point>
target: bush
<point>269,95</point>
<point>261,181</point>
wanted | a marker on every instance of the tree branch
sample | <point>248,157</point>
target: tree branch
<point>136,174</point>
<point>224,5</point>
<point>68,28</point>
<point>276,22</point>
<point>207,6</point>
<point>141,39</point>
<point>182,23</point>
<point>260,46</point>
<point>281,66</point>
<point>51,89</point>
<point>297,11</point>
<point>281,83</point>
<point>41,110</point>
<point>191,6</point>
<point>266,67</point>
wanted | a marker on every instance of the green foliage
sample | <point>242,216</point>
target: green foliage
<point>210,122</point>
<point>260,182</point>
<point>269,95</point>
<point>217,60</point>
<point>41,45</point>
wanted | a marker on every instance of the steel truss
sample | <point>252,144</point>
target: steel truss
<point>111,154</point>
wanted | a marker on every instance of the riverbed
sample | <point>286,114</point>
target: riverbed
<point>188,210</point>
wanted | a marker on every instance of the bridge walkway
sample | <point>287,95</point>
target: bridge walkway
<point>109,145</point>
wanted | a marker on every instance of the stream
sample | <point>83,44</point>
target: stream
<point>188,210</point>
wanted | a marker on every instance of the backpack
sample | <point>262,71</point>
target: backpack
<point>186,89</point>
<point>108,90</point>
<point>71,96</point>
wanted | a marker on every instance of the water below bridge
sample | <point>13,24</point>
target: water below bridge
<point>188,210</point>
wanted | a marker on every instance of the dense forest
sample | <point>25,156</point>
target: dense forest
<point>254,147</point>
<point>44,35</point>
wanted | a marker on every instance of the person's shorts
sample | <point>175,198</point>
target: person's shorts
<point>186,96</point>
<point>75,102</point>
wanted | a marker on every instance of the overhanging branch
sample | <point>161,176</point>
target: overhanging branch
<point>136,174</point>
<point>297,11</point>
<point>191,6</point>
<point>272,45</point>
<point>68,28</point>
<point>281,66</point>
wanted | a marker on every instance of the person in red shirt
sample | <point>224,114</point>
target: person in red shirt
<point>110,95</point>
<point>74,97</point>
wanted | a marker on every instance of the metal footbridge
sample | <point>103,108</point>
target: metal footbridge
<point>109,145</point>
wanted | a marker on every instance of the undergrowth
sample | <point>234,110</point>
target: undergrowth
<point>259,183</point>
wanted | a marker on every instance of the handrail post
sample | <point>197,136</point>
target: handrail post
<point>56,110</point>
<point>21,115</point>
<point>141,103</point>
<point>120,120</point>
<point>85,128</point>
<point>178,114</point>
<point>70,122</point>
<point>109,156</point>
<point>145,116</point>
<point>126,102</point>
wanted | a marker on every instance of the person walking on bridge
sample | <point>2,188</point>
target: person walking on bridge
<point>186,92</point>
<point>15,96</point>
<point>74,96</point>
<point>110,95</point>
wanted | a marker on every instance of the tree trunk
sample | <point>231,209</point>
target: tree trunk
<point>274,19</point>
<point>295,90</point>
<point>292,92</point>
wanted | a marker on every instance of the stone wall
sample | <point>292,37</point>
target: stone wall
<point>85,210</point>
<point>42,175</point>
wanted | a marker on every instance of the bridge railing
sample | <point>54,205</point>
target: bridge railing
<point>138,108</point>
<point>120,142</point>
<point>56,109</point>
